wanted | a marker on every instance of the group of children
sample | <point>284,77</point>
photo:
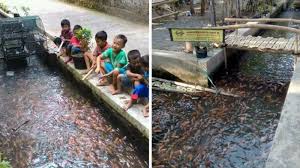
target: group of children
<point>115,68</point>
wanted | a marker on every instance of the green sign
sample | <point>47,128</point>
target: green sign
<point>198,35</point>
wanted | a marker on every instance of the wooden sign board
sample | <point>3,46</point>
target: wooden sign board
<point>197,35</point>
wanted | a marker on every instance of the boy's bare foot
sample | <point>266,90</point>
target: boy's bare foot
<point>145,112</point>
<point>187,51</point>
<point>111,88</point>
<point>128,104</point>
<point>68,60</point>
<point>102,82</point>
<point>116,92</point>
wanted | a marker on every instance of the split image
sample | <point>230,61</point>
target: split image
<point>161,83</point>
<point>225,83</point>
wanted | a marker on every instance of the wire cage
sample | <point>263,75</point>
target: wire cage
<point>22,37</point>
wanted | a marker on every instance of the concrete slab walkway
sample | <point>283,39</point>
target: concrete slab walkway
<point>285,152</point>
<point>53,11</point>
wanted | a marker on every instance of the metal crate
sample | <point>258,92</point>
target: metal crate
<point>22,37</point>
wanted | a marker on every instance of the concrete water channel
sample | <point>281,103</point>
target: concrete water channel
<point>51,120</point>
<point>211,130</point>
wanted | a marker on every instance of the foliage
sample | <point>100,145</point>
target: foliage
<point>3,162</point>
<point>85,36</point>
<point>4,7</point>
<point>25,10</point>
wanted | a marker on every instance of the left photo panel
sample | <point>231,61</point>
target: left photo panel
<point>74,83</point>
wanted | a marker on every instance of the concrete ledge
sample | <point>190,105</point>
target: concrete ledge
<point>186,66</point>
<point>285,152</point>
<point>134,115</point>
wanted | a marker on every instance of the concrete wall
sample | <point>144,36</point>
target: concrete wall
<point>134,10</point>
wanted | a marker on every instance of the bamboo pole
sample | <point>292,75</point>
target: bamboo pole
<point>212,10</point>
<point>175,91</point>
<point>60,46</point>
<point>297,43</point>
<point>199,88</point>
<point>260,26</point>
<point>225,57</point>
<point>154,4</point>
<point>88,74</point>
<point>166,15</point>
<point>262,20</point>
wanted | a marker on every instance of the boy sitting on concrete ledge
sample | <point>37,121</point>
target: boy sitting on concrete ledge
<point>133,72</point>
<point>141,89</point>
<point>144,61</point>
<point>65,36</point>
<point>74,46</point>
<point>116,62</point>
<point>102,45</point>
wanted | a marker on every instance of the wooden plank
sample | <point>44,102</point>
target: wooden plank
<point>229,39</point>
<point>277,44</point>
<point>154,4</point>
<point>265,42</point>
<point>242,41</point>
<point>244,44</point>
<point>166,15</point>
<point>246,40</point>
<point>284,43</point>
<point>264,20</point>
<point>289,45</point>
<point>271,43</point>
<point>232,40</point>
<point>252,42</point>
<point>238,41</point>
<point>259,42</point>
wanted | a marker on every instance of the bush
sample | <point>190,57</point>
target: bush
<point>4,7</point>
<point>4,163</point>
<point>85,36</point>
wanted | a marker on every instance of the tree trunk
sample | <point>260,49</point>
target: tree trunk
<point>192,7</point>
<point>202,8</point>
<point>212,13</point>
<point>231,8</point>
<point>238,9</point>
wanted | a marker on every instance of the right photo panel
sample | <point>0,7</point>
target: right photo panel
<point>225,83</point>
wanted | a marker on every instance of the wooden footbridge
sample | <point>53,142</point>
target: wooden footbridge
<point>267,44</point>
<point>270,44</point>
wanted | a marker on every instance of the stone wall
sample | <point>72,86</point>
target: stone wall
<point>134,10</point>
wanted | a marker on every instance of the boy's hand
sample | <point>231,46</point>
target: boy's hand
<point>139,77</point>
